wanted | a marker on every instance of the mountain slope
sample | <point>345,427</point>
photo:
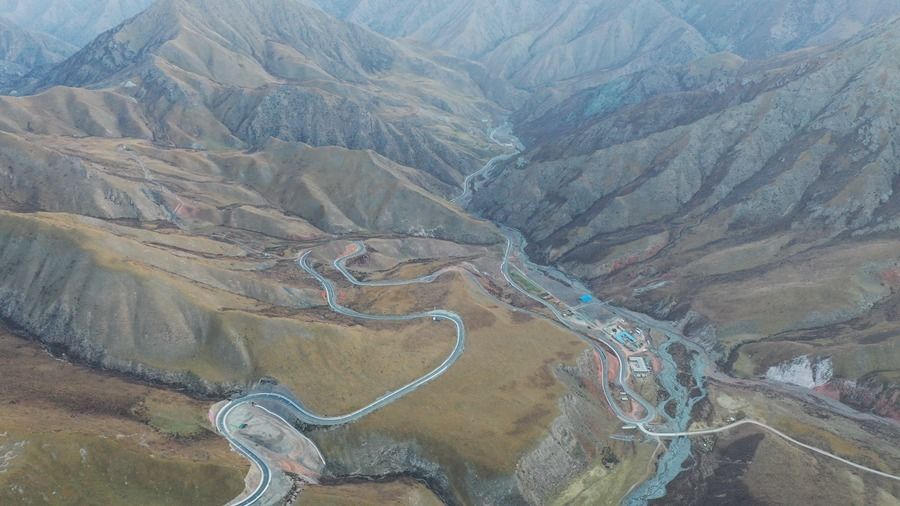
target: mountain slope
<point>542,42</point>
<point>285,190</point>
<point>237,72</point>
<point>73,21</point>
<point>769,27</point>
<point>22,51</point>
<point>537,42</point>
<point>761,207</point>
<point>559,49</point>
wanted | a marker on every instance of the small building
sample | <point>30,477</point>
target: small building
<point>625,337</point>
<point>584,299</point>
<point>638,365</point>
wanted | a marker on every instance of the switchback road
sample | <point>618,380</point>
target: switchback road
<point>305,415</point>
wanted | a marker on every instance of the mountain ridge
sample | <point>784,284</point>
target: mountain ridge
<point>76,22</point>
<point>270,69</point>
<point>23,51</point>
<point>709,204</point>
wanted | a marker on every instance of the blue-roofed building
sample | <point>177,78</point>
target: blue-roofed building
<point>586,298</point>
<point>626,338</point>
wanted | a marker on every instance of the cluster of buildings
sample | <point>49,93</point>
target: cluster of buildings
<point>632,338</point>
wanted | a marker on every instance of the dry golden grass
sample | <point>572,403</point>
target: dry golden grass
<point>400,493</point>
<point>836,434</point>
<point>335,369</point>
<point>782,473</point>
<point>834,281</point>
<point>79,423</point>
<point>497,401</point>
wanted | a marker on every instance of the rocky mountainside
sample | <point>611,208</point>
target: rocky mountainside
<point>769,27</point>
<point>149,158</point>
<point>558,49</point>
<point>76,22</point>
<point>111,247</point>
<point>164,159</point>
<point>757,202</point>
<point>236,73</point>
<point>538,42</point>
<point>22,51</point>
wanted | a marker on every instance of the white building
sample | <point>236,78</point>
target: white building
<point>638,365</point>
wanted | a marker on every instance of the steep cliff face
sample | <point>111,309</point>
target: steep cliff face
<point>763,200</point>
<point>877,394</point>
<point>576,444</point>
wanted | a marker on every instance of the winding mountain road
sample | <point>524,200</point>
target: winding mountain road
<point>514,240</point>
<point>340,264</point>
<point>467,182</point>
<point>649,409</point>
<point>305,415</point>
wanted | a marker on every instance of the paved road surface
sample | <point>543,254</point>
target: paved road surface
<point>772,430</point>
<point>340,264</point>
<point>305,415</point>
<point>467,182</point>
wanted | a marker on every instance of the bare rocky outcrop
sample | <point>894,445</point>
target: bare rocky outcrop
<point>803,371</point>
<point>577,439</point>
<point>874,394</point>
